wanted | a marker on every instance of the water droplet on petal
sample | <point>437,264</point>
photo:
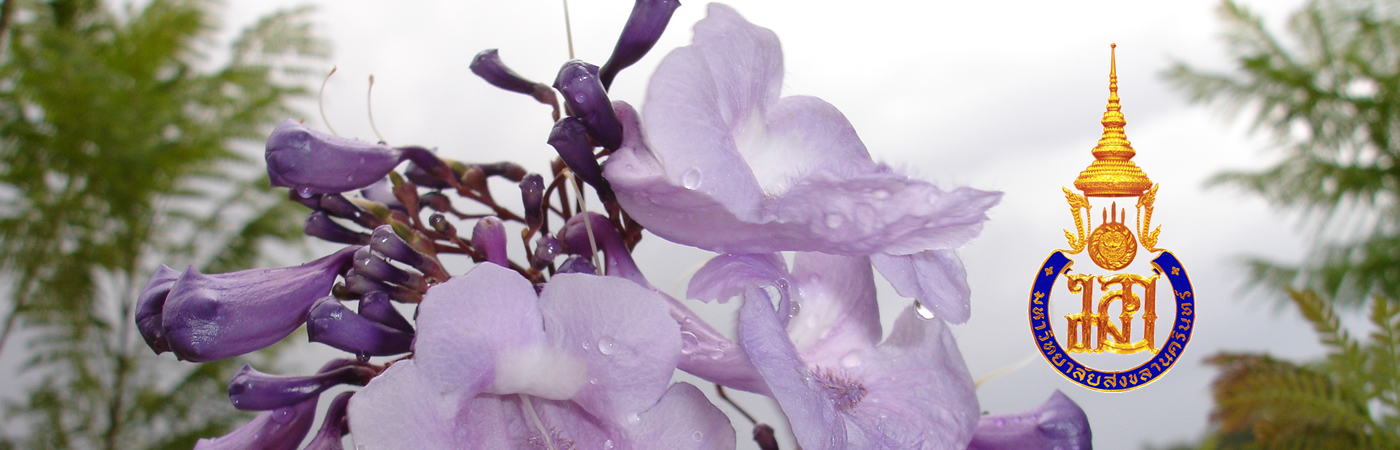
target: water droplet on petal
<point>688,341</point>
<point>304,192</point>
<point>349,178</point>
<point>592,381</point>
<point>362,160</point>
<point>691,179</point>
<point>608,444</point>
<point>284,415</point>
<point>922,311</point>
<point>586,345</point>
<point>1001,422</point>
<point>607,345</point>
<point>795,309</point>
<point>697,436</point>
<point>634,419</point>
<point>834,220</point>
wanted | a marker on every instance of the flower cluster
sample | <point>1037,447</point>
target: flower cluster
<point>572,347</point>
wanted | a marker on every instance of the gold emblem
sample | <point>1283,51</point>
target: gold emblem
<point>1111,303</point>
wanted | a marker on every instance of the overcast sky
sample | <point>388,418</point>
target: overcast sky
<point>1001,95</point>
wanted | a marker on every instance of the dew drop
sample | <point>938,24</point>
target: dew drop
<point>349,178</point>
<point>634,419</point>
<point>592,381</point>
<point>607,345</point>
<point>335,315</point>
<point>834,220</point>
<point>691,180</point>
<point>795,309</point>
<point>688,340</point>
<point>284,415</point>
<point>881,194</point>
<point>608,444</point>
<point>1001,422</point>
<point>922,311</point>
<point>304,192</point>
<point>586,345</point>
<point>362,160</point>
<point>697,436</point>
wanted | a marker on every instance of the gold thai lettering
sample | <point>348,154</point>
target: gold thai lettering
<point>1117,289</point>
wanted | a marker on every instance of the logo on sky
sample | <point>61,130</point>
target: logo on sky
<point>1112,318</point>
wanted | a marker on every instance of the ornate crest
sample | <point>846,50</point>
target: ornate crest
<point>1112,246</point>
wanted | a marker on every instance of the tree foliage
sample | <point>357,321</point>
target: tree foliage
<point>1330,98</point>
<point>119,141</point>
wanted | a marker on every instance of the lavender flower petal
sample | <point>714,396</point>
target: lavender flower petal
<point>320,225</point>
<point>334,426</point>
<point>150,306</point>
<point>373,266</point>
<point>377,307</point>
<point>1057,423</point>
<point>278,429</point>
<point>570,139</point>
<point>489,237</point>
<point>251,390</point>
<point>727,276</point>
<point>388,243</point>
<point>331,323</point>
<point>489,67</point>
<point>588,101</point>
<point>210,317</point>
<point>312,162</point>
<point>644,26</point>
<point>617,259</point>
<point>577,264</point>
<point>935,277</point>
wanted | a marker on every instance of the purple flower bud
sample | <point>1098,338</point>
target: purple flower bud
<point>334,426</point>
<point>339,206</point>
<point>388,243</point>
<point>278,429</point>
<point>532,195</point>
<point>644,27</point>
<point>211,317</point>
<point>570,139</point>
<point>251,390</point>
<point>420,176</point>
<point>148,308</point>
<point>319,225</point>
<point>373,266</point>
<point>331,323</point>
<point>506,169</point>
<point>489,238</point>
<point>578,264</point>
<point>546,249</point>
<point>618,261</point>
<point>311,162</point>
<point>377,307</point>
<point>588,101</point>
<point>489,67</point>
<point>1057,423</point>
<point>364,285</point>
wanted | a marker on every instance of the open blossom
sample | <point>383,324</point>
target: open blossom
<point>838,388</point>
<point>719,161</point>
<point>586,361</point>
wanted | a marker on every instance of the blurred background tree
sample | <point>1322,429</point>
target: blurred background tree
<point>1330,98</point>
<point>119,148</point>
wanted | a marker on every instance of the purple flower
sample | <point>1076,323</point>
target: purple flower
<point>586,361</point>
<point>278,429</point>
<point>588,101</point>
<point>644,26</point>
<point>838,388</point>
<point>570,139</point>
<point>311,162</point>
<point>489,238</point>
<point>1057,423</point>
<point>719,161</point>
<point>209,317</point>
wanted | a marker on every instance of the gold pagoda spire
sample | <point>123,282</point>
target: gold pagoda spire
<point>1112,174</point>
